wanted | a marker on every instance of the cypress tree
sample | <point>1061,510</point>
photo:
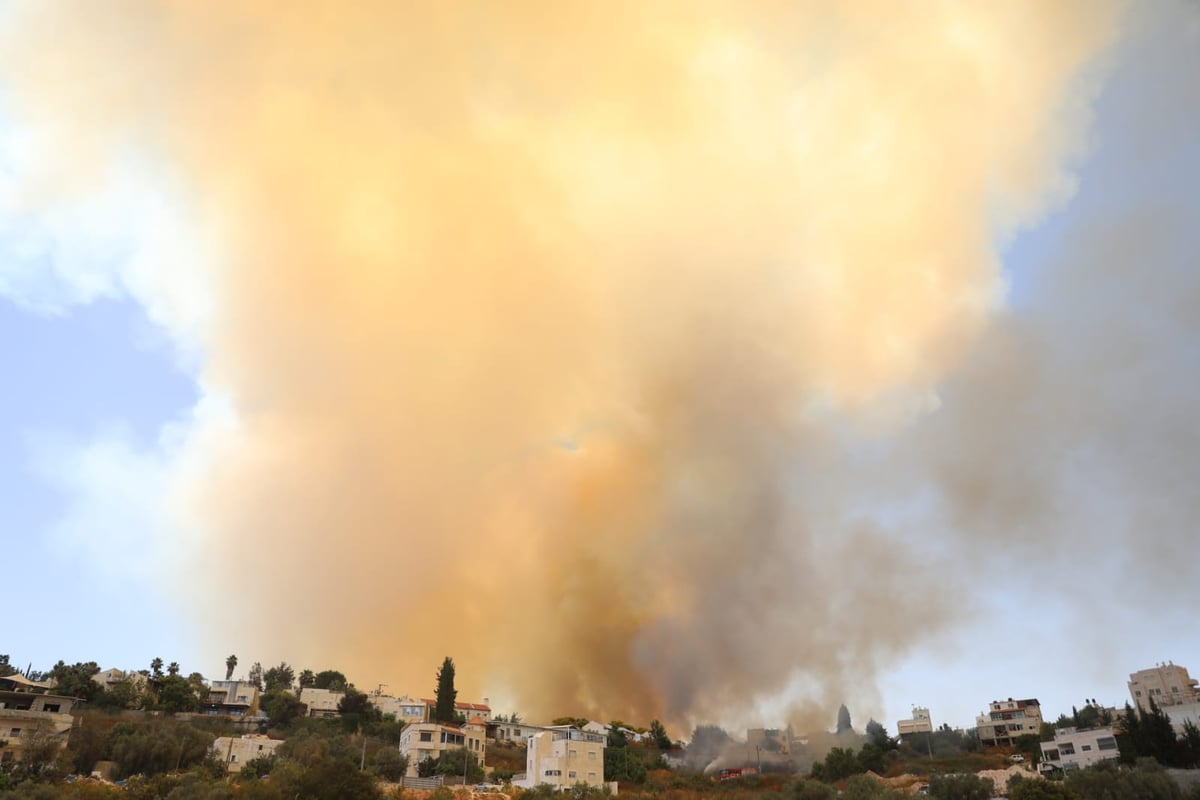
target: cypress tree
<point>446,693</point>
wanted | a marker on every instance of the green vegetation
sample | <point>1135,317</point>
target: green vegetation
<point>446,693</point>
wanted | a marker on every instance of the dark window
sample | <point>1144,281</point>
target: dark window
<point>1106,743</point>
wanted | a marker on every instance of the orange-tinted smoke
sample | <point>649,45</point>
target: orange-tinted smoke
<point>539,320</point>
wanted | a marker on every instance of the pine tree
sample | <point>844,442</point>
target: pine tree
<point>843,720</point>
<point>446,693</point>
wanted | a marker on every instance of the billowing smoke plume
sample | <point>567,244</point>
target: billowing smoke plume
<point>558,335</point>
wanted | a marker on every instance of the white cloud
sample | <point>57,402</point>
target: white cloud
<point>125,231</point>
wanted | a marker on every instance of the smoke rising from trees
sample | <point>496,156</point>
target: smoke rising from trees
<point>654,364</point>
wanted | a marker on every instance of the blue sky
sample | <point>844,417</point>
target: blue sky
<point>87,373</point>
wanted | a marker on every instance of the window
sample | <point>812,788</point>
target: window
<point>572,754</point>
<point>591,776</point>
<point>51,708</point>
<point>426,736</point>
<point>591,755</point>
<point>233,759</point>
<point>571,774</point>
<point>1066,749</point>
<point>16,732</point>
<point>552,773</point>
<point>1139,693</point>
<point>1106,743</point>
<point>1086,747</point>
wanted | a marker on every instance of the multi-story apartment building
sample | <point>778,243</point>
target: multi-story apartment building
<point>512,731</point>
<point>26,715</point>
<point>1166,684</point>
<point>231,698</point>
<point>1075,748</point>
<point>563,756</point>
<point>405,708</point>
<point>920,723</point>
<point>424,740</point>
<point>1008,719</point>
<point>321,702</point>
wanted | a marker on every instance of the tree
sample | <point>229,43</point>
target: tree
<point>330,679</point>
<point>659,734</point>
<point>307,679</point>
<point>960,787</point>
<point>1029,745</point>
<point>812,790</point>
<point>446,693</point>
<point>1146,781</point>
<point>390,764</point>
<point>278,679</point>
<point>616,736</point>
<point>862,787</point>
<point>156,668</point>
<point>120,695</point>
<point>75,680</point>
<point>871,758</point>
<point>173,668</point>
<point>451,763</point>
<point>335,777</point>
<point>878,736</point>
<point>839,763</point>
<point>1031,789</point>
<point>623,764</point>
<point>176,694</point>
<point>6,668</point>
<point>1191,745</point>
<point>843,720</point>
<point>256,676</point>
<point>230,665</point>
<point>282,707</point>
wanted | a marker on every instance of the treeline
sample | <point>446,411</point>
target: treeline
<point>1149,734</point>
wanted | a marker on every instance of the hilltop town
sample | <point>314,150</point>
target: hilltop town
<point>78,730</point>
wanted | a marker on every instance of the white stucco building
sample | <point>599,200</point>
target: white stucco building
<point>563,756</point>
<point>236,752</point>
<point>1075,748</point>
<point>920,723</point>
<point>321,702</point>
<point>425,740</point>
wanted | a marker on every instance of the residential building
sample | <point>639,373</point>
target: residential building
<point>111,677</point>
<point>1077,748</point>
<point>26,715</point>
<point>596,727</point>
<point>424,740</point>
<point>321,702</point>
<point>512,731</point>
<point>1008,719</point>
<point>563,756</point>
<point>920,723</point>
<point>231,698</point>
<point>235,752</point>
<point>405,708</point>
<point>1166,684</point>
<point>468,710</point>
